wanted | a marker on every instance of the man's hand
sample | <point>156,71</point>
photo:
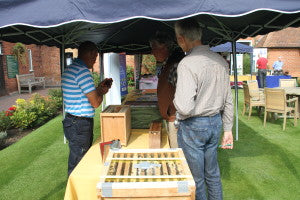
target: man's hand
<point>104,86</point>
<point>227,141</point>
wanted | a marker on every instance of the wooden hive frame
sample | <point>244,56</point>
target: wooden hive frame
<point>155,135</point>
<point>121,179</point>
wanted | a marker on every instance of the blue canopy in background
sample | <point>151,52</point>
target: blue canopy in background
<point>227,47</point>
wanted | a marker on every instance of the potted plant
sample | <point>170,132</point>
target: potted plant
<point>19,52</point>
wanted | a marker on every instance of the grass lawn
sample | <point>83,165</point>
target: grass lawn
<point>265,162</point>
<point>36,166</point>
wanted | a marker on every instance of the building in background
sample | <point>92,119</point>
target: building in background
<point>45,63</point>
<point>284,43</point>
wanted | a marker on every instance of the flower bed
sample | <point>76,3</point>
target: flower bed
<point>26,115</point>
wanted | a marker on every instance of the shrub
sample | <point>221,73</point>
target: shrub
<point>130,76</point>
<point>23,119</point>
<point>56,96</point>
<point>5,122</point>
<point>150,63</point>
<point>246,63</point>
<point>96,78</point>
<point>23,116</point>
<point>34,112</point>
<point>44,108</point>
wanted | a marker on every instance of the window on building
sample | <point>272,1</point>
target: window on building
<point>0,48</point>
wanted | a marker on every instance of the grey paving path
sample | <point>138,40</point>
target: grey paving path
<point>9,100</point>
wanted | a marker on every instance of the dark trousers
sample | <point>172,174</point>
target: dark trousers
<point>79,133</point>
<point>262,73</point>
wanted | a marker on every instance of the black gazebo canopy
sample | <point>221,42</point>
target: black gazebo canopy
<point>125,26</point>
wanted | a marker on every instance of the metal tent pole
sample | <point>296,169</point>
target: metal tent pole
<point>101,63</point>
<point>137,69</point>
<point>101,66</point>
<point>62,68</point>
<point>251,64</point>
<point>233,46</point>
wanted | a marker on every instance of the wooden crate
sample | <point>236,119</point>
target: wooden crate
<point>116,123</point>
<point>146,174</point>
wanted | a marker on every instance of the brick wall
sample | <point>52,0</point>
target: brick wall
<point>49,65</point>
<point>289,57</point>
<point>10,83</point>
<point>130,61</point>
<point>45,60</point>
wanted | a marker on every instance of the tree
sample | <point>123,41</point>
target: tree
<point>246,63</point>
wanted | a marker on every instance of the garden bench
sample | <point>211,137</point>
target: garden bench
<point>29,80</point>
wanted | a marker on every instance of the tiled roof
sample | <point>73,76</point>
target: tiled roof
<point>289,37</point>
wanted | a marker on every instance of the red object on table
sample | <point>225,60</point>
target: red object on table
<point>102,144</point>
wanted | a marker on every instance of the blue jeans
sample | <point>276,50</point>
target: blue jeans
<point>79,133</point>
<point>199,137</point>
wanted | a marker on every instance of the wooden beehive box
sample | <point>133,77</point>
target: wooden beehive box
<point>146,174</point>
<point>115,123</point>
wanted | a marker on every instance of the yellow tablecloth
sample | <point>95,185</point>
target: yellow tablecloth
<point>84,178</point>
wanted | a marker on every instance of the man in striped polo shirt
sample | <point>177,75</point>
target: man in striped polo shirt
<point>80,100</point>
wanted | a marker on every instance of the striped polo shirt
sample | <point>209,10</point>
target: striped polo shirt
<point>76,82</point>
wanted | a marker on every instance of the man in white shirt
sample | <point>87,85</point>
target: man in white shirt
<point>203,101</point>
<point>277,66</point>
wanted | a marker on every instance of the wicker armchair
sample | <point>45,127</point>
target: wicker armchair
<point>276,102</point>
<point>284,83</point>
<point>251,99</point>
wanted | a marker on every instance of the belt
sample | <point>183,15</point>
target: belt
<point>202,116</point>
<point>78,117</point>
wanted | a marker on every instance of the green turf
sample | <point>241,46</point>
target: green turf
<point>265,162</point>
<point>36,166</point>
